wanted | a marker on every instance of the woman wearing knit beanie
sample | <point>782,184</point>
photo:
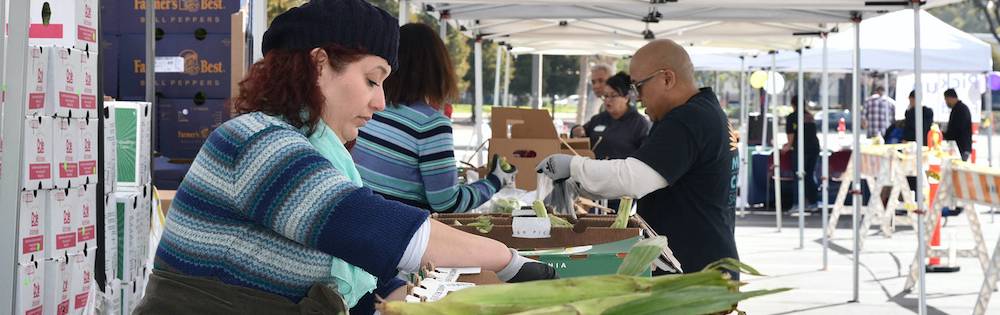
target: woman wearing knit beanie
<point>273,217</point>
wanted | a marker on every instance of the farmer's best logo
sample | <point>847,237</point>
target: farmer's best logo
<point>192,6</point>
<point>194,67</point>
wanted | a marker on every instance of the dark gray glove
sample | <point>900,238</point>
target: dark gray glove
<point>521,269</point>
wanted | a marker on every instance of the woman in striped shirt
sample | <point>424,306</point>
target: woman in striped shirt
<point>406,153</point>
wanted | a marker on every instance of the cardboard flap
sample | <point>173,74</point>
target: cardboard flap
<point>524,123</point>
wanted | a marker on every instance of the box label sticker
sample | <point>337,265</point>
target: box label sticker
<point>68,170</point>
<point>39,171</point>
<point>36,100</point>
<point>86,34</point>
<point>524,227</point>
<point>65,240</point>
<point>45,31</point>
<point>88,102</point>
<point>32,244</point>
<point>69,100</point>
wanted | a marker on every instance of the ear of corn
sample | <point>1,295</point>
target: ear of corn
<point>556,221</point>
<point>624,211</point>
<point>732,265</point>
<point>694,300</point>
<point>504,165</point>
<point>642,255</point>
<point>483,224</point>
<point>539,208</point>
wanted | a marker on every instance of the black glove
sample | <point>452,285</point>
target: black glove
<point>521,269</point>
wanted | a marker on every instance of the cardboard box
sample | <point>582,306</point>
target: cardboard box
<point>110,165</point>
<point>526,137</point>
<point>71,24</point>
<point>63,82</point>
<point>111,238</point>
<point>180,17</point>
<point>110,25</point>
<point>30,285</point>
<point>132,122</point>
<point>86,217</point>
<point>37,82</point>
<point>125,207</point>
<point>87,161</point>
<point>38,146</point>
<point>66,144</point>
<point>112,298</point>
<point>587,260</point>
<point>31,228</point>
<point>60,229</point>
<point>81,276</point>
<point>87,64</point>
<point>206,67</point>
<point>109,66</point>
<point>184,125</point>
<point>56,295</point>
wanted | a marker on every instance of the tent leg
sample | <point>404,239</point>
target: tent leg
<point>917,73</point>
<point>496,81</point>
<point>856,153</point>
<point>800,146</point>
<point>478,110</point>
<point>825,102</point>
<point>776,152</point>
<point>744,147</point>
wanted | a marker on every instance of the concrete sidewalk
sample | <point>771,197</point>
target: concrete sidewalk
<point>884,267</point>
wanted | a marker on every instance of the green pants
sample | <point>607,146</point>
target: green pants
<point>171,293</point>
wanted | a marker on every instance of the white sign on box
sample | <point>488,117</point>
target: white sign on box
<point>31,226</point>
<point>64,68</point>
<point>30,285</point>
<point>88,84</point>
<point>110,166</point>
<point>64,154</point>
<point>60,230</point>
<point>38,153</point>
<point>87,161</point>
<point>531,227</point>
<point>85,217</point>
<point>81,274</point>
<point>69,23</point>
<point>37,82</point>
<point>57,287</point>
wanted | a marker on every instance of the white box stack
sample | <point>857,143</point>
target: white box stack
<point>57,217</point>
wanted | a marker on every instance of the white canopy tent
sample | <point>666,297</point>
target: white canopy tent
<point>887,45</point>
<point>783,13</point>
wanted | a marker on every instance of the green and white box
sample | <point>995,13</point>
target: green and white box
<point>110,166</point>
<point>110,237</point>
<point>132,123</point>
<point>126,204</point>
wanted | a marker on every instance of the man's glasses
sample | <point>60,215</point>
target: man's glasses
<point>637,85</point>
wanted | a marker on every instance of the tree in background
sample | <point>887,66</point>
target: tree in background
<point>973,16</point>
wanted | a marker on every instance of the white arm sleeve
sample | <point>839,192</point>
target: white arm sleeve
<point>612,179</point>
<point>410,261</point>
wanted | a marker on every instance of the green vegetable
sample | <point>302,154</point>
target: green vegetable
<point>506,205</point>
<point>624,211</point>
<point>642,255</point>
<point>483,224</point>
<point>556,221</point>
<point>539,208</point>
<point>506,167</point>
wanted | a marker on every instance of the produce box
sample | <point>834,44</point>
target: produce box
<point>184,125</point>
<point>206,67</point>
<point>69,24</point>
<point>31,226</point>
<point>587,260</point>
<point>30,284</point>
<point>132,124</point>
<point>37,154</point>
<point>61,229</point>
<point>109,68</point>
<point>65,147</point>
<point>56,295</point>
<point>526,137</point>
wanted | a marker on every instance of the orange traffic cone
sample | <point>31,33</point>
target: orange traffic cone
<point>934,137</point>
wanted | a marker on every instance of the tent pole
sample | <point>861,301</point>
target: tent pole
<point>506,80</point>
<point>404,12</point>
<point>856,151</point>
<point>824,91</point>
<point>745,154</point>
<point>478,109</point>
<point>496,81</point>
<point>536,80</point>
<point>919,117</point>
<point>989,115</point>
<point>776,153</point>
<point>800,149</point>
<point>443,26</point>
<point>885,85</point>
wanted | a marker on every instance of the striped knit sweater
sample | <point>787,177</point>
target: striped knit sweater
<point>260,208</point>
<point>406,153</point>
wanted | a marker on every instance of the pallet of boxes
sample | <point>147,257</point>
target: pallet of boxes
<point>57,226</point>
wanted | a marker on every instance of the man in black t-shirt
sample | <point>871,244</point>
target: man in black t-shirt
<point>684,174</point>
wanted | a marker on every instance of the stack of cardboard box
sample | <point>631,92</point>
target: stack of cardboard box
<point>57,226</point>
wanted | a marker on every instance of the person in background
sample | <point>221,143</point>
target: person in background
<point>619,130</point>
<point>273,217</point>
<point>811,152</point>
<point>407,152</point>
<point>879,113</point>
<point>683,174</point>
<point>959,124</point>
<point>910,121</point>
<point>599,75</point>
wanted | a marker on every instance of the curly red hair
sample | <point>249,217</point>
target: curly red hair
<point>284,84</point>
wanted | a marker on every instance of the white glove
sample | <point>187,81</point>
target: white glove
<point>506,178</point>
<point>555,166</point>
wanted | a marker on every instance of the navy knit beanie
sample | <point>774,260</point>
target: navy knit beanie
<point>348,23</point>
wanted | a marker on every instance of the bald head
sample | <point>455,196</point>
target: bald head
<point>665,54</point>
<point>664,76</point>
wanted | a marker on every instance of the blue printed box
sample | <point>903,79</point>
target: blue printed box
<point>184,124</point>
<point>180,17</point>
<point>206,70</point>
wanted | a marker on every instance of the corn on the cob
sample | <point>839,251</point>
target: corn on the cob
<point>483,224</point>
<point>694,300</point>
<point>642,255</point>
<point>504,165</point>
<point>624,212</point>
<point>556,221</point>
<point>539,208</point>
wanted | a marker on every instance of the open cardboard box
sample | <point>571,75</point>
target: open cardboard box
<point>526,137</point>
